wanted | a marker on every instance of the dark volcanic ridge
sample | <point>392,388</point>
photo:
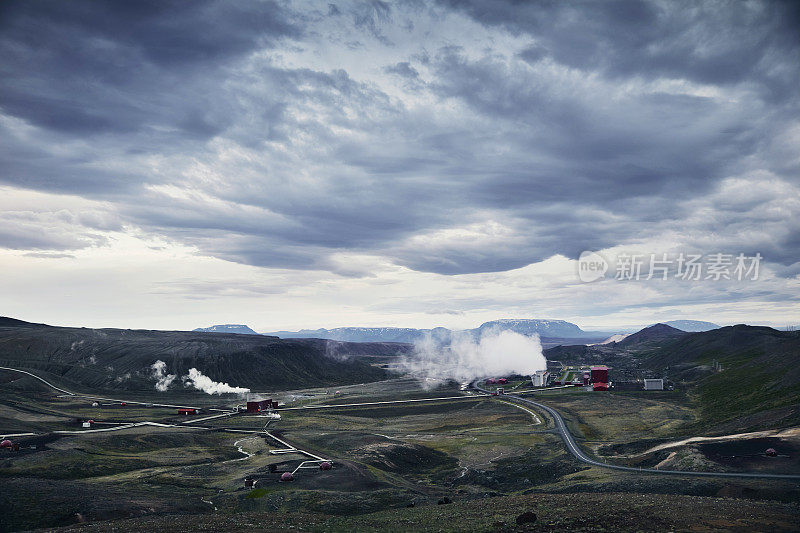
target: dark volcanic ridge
<point>122,358</point>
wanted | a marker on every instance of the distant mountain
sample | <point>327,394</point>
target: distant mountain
<point>357,334</point>
<point>532,326</point>
<point>228,328</point>
<point>692,325</point>
<point>106,359</point>
<point>651,335</point>
<point>547,329</point>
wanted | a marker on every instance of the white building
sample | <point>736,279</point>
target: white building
<point>654,384</point>
<point>539,378</point>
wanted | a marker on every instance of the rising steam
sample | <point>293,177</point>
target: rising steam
<point>494,353</point>
<point>196,379</point>
<point>163,380</point>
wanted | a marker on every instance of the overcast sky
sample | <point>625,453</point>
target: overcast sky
<point>288,164</point>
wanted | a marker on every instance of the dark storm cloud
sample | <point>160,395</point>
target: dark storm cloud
<point>717,43</point>
<point>130,78</point>
<point>90,68</point>
<point>199,122</point>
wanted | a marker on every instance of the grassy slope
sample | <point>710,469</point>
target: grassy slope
<point>759,385</point>
<point>574,512</point>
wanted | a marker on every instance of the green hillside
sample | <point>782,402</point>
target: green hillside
<point>755,382</point>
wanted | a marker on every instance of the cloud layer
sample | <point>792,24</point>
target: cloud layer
<point>361,139</point>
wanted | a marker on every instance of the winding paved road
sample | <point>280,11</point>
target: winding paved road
<point>576,451</point>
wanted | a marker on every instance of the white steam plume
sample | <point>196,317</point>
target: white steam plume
<point>163,380</point>
<point>495,353</point>
<point>196,379</point>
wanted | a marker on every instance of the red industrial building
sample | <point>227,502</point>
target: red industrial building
<point>261,405</point>
<point>598,386</point>
<point>600,374</point>
<point>187,411</point>
<point>502,381</point>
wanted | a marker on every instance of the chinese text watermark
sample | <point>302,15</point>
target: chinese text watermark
<point>683,266</point>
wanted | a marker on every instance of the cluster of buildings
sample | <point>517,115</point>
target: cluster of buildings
<point>593,378</point>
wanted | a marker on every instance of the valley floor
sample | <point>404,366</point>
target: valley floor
<point>392,465</point>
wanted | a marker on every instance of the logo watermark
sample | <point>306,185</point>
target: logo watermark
<point>684,266</point>
<point>591,266</point>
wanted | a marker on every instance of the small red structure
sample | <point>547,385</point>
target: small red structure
<point>187,411</point>
<point>587,378</point>
<point>287,476</point>
<point>6,444</point>
<point>599,386</point>
<point>599,374</point>
<point>123,404</point>
<point>261,405</point>
<point>771,452</point>
<point>325,465</point>
<point>502,381</point>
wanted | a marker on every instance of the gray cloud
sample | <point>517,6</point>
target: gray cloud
<point>720,43</point>
<point>204,123</point>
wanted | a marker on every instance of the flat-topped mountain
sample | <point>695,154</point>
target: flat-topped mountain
<point>241,329</point>
<point>692,325</point>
